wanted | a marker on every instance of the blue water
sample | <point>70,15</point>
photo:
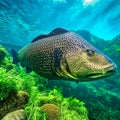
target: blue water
<point>23,20</point>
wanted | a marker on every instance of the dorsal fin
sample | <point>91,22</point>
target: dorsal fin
<point>56,31</point>
<point>40,37</point>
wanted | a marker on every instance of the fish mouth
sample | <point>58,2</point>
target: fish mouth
<point>106,72</point>
<point>94,75</point>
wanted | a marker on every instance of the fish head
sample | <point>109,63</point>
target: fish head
<point>86,64</point>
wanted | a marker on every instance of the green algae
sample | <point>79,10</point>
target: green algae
<point>2,53</point>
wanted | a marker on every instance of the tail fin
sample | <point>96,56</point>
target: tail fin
<point>15,56</point>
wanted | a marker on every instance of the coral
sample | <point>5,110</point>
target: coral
<point>52,111</point>
<point>15,115</point>
<point>13,102</point>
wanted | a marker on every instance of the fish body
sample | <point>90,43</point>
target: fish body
<point>63,54</point>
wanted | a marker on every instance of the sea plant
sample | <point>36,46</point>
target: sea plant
<point>3,53</point>
<point>7,84</point>
<point>75,107</point>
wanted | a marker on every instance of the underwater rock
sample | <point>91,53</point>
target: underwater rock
<point>2,53</point>
<point>52,111</point>
<point>15,115</point>
<point>13,102</point>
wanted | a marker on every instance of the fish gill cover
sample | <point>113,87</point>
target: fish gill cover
<point>28,95</point>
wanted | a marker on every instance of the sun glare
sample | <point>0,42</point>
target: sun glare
<point>89,2</point>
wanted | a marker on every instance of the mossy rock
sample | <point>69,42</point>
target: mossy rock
<point>52,111</point>
<point>13,102</point>
<point>15,115</point>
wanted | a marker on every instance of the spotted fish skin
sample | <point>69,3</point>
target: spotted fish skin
<point>63,54</point>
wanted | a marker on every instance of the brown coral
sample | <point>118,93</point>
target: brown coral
<point>52,111</point>
<point>13,102</point>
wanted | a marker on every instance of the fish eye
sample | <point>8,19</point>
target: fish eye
<point>90,52</point>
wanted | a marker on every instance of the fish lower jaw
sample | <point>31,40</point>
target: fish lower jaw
<point>100,75</point>
<point>96,76</point>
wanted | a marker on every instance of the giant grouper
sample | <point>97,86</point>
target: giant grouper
<point>64,55</point>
